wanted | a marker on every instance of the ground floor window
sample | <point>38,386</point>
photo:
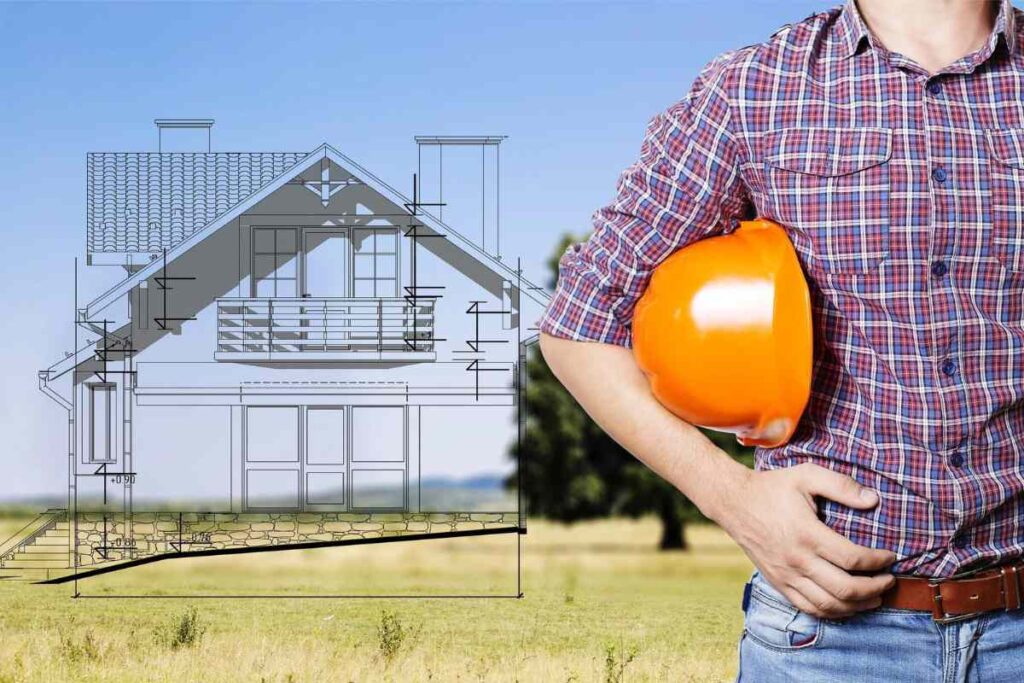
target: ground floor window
<point>325,458</point>
<point>379,457</point>
<point>100,439</point>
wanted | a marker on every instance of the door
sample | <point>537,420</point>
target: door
<point>326,458</point>
<point>326,263</point>
<point>326,283</point>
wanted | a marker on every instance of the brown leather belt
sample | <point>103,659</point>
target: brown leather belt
<point>959,598</point>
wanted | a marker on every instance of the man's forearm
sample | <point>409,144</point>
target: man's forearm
<point>607,383</point>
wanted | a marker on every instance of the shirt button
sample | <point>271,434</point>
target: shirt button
<point>948,368</point>
<point>939,268</point>
<point>956,460</point>
<point>939,175</point>
<point>934,88</point>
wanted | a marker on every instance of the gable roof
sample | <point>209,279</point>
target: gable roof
<point>150,201</point>
<point>324,151</point>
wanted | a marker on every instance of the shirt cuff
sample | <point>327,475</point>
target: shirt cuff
<point>582,310</point>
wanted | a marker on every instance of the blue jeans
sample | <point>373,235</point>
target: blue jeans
<point>781,643</point>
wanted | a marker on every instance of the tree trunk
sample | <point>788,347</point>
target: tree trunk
<point>673,529</point>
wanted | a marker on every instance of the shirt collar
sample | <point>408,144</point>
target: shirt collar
<point>852,31</point>
<point>1006,24</point>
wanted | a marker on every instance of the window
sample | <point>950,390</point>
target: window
<point>274,262</point>
<point>272,489</point>
<point>375,262</point>
<point>272,434</point>
<point>378,464</point>
<point>325,488</point>
<point>325,436</point>
<point>378,434</point>
<point>101,422</point>
<point>272,469</point>
<point>378,489</point>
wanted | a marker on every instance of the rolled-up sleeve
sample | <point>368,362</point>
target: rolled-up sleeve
<point>686,185</point>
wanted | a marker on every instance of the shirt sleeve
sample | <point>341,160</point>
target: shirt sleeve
<point>685,186</point>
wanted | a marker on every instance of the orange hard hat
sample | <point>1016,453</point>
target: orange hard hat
<point>723,333</point>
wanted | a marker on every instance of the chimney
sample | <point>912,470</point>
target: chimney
<point>460,183</point>
<point>183,135</point>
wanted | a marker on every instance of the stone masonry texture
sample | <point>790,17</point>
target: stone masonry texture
<point>117,537</point>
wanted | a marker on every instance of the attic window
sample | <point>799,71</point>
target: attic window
<point>375,262</point>
<point>274,252</point>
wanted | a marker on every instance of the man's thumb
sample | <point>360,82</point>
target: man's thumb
<point>842,489</point>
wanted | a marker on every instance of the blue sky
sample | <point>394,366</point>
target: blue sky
<point>572,84</point>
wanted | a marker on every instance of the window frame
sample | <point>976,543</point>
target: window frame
<point>254,252</point>
<point>374,255</point>
<point>109,389</point>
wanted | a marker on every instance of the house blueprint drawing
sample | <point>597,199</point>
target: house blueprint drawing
<point>327,360</point>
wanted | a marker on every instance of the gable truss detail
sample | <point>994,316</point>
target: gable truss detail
<point>325,188</point>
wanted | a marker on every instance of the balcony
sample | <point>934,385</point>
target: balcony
<point>316,330</point>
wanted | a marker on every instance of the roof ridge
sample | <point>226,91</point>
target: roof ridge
<point>532,291</point>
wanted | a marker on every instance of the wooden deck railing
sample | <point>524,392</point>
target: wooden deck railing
<point>307,328</point>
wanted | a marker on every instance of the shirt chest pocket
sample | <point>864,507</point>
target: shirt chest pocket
<point>1006,180</point>
<point>830,187</point>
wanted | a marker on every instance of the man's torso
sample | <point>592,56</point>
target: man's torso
<point>903,195</point>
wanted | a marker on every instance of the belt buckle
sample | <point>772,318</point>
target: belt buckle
<point>938,613</point>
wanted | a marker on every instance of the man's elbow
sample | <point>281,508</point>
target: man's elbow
<point>549,346</point>
<point>558,351</point>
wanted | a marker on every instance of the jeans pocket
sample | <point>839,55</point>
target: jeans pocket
<point>773,622</point>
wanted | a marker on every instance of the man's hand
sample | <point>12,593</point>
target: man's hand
<point>772,516</point>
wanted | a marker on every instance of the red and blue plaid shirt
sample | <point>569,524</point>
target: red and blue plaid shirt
<point>903,194</point>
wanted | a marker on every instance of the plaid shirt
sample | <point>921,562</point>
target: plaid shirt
<point>903,194</point>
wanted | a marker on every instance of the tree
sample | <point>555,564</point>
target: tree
<point>571,470</point>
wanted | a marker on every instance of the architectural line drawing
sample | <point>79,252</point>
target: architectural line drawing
<point>296,356</point>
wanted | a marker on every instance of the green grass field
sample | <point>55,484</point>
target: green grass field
<point>601,604</point>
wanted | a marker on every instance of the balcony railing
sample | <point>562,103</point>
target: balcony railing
<point>292,330</point>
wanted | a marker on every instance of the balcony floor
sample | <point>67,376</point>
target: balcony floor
<point>326,357</point>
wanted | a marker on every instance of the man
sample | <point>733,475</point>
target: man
<point>887,136</point>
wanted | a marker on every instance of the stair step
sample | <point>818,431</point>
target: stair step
<point>32,574</point>
<point>37,555</point>
<point>43,550</point>
<point>49,540</point>
<point>35,564</point>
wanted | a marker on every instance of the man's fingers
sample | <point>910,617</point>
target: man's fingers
<point>802,603</point>
<point>842,489</point>
<point>825,605</point>
<point>847,588</point>
<point>846,554</point>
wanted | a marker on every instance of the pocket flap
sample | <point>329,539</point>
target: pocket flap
<point>1007,146</point>
<point>827,151</point>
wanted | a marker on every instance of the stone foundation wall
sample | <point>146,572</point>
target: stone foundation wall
<point>111,538</point>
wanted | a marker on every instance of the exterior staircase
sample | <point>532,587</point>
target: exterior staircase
<point>40,548</point>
